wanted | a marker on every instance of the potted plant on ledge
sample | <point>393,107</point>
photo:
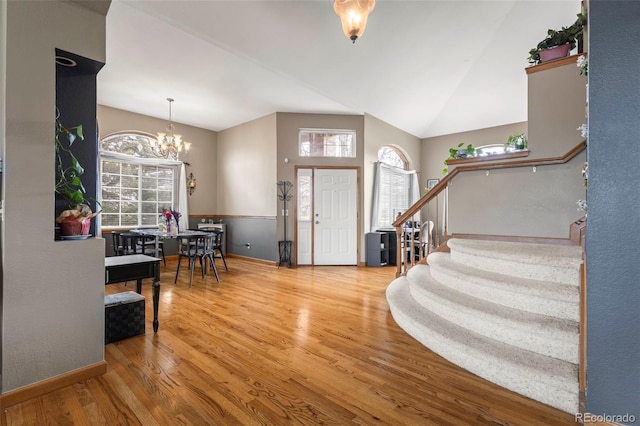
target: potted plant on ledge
<point>460,152</point>
<point>517,142</point>
<point>558,43</point>
<point>76,220</point>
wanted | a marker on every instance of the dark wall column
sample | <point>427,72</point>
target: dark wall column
<point>76,101</point>
<point>613,196</point>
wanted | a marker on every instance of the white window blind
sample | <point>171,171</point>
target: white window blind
<point>394,193</point>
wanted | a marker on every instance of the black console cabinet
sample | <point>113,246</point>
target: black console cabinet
<point>381,248</point>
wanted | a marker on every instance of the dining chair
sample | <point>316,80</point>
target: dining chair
<point>424,242</point>
<point>118,248</point>
<point>217,246</point>
<point>200,247</point>
<point>124,243</point>
<point>147,245</point>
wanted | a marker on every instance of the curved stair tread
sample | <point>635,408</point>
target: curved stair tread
<point>548,366</point>
<point>561,256</point>
<point>528,286</point>
<point>535,296</point>
<point>538,333</point>
<point>546,379</point>
<point>554,263</point>
<point>430,285</point>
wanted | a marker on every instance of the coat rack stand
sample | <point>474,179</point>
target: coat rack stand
<point>284,246</point>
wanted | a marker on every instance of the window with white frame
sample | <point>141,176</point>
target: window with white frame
<point>304,198</point>
<point>135,184</point>
<point>491,149</point>
<point>326,143</point>
<point>394,189</point>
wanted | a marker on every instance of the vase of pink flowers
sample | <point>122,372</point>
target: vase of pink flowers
<point>172,220</point>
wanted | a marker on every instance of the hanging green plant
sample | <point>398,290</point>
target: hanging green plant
<point>68,182</point>
<point>76,220</point>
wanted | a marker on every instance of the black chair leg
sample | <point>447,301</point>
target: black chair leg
<point>213,266</point>
<point>192,266</point>
<point>178,269</point>
<point>202,266</point>
<point>223,260</point>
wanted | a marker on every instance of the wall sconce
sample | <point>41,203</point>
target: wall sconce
<point>191,183</point>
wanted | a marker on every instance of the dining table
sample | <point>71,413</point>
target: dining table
<point>161,235</point>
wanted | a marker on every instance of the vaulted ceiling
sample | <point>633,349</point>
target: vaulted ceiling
<point>426,67</point>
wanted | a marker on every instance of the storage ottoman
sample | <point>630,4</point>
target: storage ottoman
<point>123,316</point>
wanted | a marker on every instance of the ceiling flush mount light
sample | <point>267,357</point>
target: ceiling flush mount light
<point>170,145</point>
<point>353,15</point>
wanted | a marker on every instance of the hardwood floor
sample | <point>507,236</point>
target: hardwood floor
<point>278,346</point>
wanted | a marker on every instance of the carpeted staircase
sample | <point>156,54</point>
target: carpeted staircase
<point>505,311</point>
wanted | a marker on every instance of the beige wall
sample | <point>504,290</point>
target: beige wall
<point>557,99</point>
<point>256,152</point>
<point>246,170</point>
<point>435,150</point>
<point>379,134</point>
<point>53,291</point>
<point>518,201</point>
<point>202,156</point>
<point>289,125</point>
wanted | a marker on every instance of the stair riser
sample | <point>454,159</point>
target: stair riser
<point>558,344</point>
<point>535,271</point>
<point>549,390</point>
<point>483,289</point>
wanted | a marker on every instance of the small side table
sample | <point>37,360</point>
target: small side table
<point>284,249</point>
<point>135,267</point>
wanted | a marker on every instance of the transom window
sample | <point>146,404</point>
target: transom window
<point>136,184</point>
<point>327,143</point>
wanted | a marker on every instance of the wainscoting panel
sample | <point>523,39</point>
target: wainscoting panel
<point>247,236</point>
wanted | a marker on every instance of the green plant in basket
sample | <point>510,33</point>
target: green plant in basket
<point>69,182</point>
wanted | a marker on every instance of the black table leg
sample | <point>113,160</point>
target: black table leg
<point>156,298</point>
<point>139,286</point>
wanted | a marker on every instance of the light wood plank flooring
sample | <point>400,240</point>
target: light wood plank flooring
<point>276,347</point>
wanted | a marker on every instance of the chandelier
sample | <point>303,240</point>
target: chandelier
<point>353,15</point>
<point>168,144</point>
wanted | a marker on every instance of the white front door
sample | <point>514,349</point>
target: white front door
<point>335,217</point>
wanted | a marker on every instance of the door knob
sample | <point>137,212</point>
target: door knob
<point>317,222</point>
